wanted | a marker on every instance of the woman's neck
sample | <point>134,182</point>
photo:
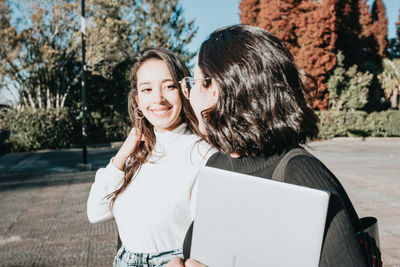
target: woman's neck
<point>235,155</point>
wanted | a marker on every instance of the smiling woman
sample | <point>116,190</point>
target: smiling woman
<point>147,186</point>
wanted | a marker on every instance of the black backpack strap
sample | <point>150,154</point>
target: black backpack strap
<point>278,174</point>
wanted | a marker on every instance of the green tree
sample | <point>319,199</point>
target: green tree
<point>108,37</point>
<point>161,24</point>
<point>42,65</point>
<point>9,47</point>
<point>348,89</point>
<point>116,30</point>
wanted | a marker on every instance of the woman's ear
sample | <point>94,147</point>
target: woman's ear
<point>214,91</point>
<point>137,100</point>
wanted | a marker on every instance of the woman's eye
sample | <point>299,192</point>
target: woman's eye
<point>170,86</point>
<point>145,90</point>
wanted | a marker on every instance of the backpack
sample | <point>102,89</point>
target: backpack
<point>367,227</point>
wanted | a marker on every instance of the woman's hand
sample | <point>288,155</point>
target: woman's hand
<point>176,262</point>
<point>192,263</point>
<point>127,148</point>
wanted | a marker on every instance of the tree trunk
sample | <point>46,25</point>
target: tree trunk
<point>394,103</point>
<point>48,98</point>
<point>32,103</point>
<point>63,97</point>
<point>39,97</point>
<point>57,100</point>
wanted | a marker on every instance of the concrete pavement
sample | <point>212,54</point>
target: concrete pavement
<point>370,173</point>
<point>43,201</point>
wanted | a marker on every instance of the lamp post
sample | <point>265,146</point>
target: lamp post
<point>84,165</point>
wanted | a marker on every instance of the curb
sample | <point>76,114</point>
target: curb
<point>364,139</point>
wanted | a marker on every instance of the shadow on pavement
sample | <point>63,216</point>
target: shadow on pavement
<point>55,167</point>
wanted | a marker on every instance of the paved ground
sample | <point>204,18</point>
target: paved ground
<point>370,173</point>
<point>43,216</point>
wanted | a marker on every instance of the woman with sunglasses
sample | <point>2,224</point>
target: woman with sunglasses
<point>248,96</point>
<point>147,186</point>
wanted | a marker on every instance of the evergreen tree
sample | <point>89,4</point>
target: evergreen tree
<point>348,88</point>
<point>349,29</point>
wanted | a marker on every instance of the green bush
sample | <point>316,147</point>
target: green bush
<point>348,89</point>
<point>335,123</point>
<point>29,130</point>
<point>32,130</point>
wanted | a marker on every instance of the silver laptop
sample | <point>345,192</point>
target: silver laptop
<point>242,221</point>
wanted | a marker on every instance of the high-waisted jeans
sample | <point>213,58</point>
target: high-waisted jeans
<point>126,259</point>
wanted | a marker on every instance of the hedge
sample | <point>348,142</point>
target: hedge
<point>359,123</point>
<point>32,130</point>
<point>29,130</point>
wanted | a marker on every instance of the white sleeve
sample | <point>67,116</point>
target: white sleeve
<point>106,181</point>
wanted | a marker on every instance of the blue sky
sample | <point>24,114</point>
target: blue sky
<point>212,14</point>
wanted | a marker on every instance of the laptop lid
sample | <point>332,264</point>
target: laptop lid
<point>242,220</point>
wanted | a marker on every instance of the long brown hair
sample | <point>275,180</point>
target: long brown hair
<point>178,70</point>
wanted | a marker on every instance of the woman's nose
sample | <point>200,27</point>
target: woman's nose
<point>159,95</point>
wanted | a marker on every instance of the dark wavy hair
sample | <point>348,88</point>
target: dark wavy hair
<point>262,107</point>
<point>178,70</point>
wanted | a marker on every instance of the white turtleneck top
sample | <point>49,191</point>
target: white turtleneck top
<point>155,211</point>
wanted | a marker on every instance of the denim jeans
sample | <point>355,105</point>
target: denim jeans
<point>126,259</point>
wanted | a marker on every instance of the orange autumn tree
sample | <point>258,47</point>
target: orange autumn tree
<point>315,30</point>
<point>307,28</point>
<point>379,26</point>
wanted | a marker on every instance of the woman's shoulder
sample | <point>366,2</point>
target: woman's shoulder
<point>302,158</point>
<point>307,170</point>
